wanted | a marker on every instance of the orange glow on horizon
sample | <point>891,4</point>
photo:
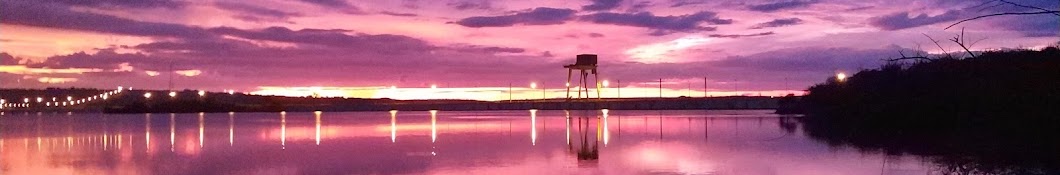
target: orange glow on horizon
<point>496,93</point>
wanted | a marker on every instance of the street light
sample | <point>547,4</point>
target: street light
<point>533,85</point>
<point>69,98</point>
<point>172,94</point>
<point>40,99</point>
<point>841,76</point>
<point>146,95</point>
<point>433,86</point>
<point>202,93</point>
<point>606,83</point>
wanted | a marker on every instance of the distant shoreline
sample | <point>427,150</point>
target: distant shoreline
<point>189,102</point>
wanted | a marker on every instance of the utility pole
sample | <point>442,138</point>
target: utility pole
<point>688,90</point>
<point>509,92</point>
<point>543,91</point>
<point>619,82</point>
<point>786,90</point>
<point>660,88</point>
<point>704,87</point>
<point>735,88</point>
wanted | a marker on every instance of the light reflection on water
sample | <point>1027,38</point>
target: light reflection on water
<point>434,142</point>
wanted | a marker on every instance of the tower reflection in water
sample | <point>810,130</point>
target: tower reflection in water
<point>588,151</point>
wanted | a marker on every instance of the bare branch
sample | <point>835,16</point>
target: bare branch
<point>976,41</point>
<point>959,39</point>
<point>1027,6</point>
<point>1002,14</point>
<point>937,44</point>
<point>909,58</point>
<point>918,57</point>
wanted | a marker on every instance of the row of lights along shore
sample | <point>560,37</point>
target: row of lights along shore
<point>174,93</point>
<point>70,101</point>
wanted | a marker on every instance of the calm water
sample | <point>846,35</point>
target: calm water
<point>422,142</point>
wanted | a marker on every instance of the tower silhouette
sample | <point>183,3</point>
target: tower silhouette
<point>585,64</point>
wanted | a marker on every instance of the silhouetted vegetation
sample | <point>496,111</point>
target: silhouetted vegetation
<point>995,113</point>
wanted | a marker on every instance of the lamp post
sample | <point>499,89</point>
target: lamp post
<point>533,85</point>
<point>606,84</point>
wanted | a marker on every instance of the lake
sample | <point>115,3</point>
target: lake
<point>430,142</point>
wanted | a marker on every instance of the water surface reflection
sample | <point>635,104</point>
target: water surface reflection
<point>435,142</point>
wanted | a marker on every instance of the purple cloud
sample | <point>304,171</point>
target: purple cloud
<point>902,20</point>
<point>58,16</point>
<point>488,49</point>
<point>778,23</point>
<point>115,4</point>
<point>740,36</point>
<point>328,3</point>
<point>537,16</point>
<point>255,13</point>
<point>679,3</point>
<point>1031,26</point>
<point>772,7</point>
<point>471,5</point>
<point>341,5</point>
<point>661,24</point>
<point>398,14</point>
<point>602,5</point>
<point>331,38</point>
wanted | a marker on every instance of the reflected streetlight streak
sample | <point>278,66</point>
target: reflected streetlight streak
<point>533,126</point>
<point>567,113</point>
<point>393,126</point>
<point>147,131</point>
<point>434,125</point>
<point>283,129</point>
<point>201,128</point>
<point>172,131</point>
<point>317,116</point>
<point>607,134</point>
<point>231,128</point>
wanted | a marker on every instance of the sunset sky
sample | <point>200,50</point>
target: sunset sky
<point>475,48</point>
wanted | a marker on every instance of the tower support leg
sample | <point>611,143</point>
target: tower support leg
<point>597,79</point>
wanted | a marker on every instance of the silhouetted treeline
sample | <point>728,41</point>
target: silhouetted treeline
<point>996,113</point>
